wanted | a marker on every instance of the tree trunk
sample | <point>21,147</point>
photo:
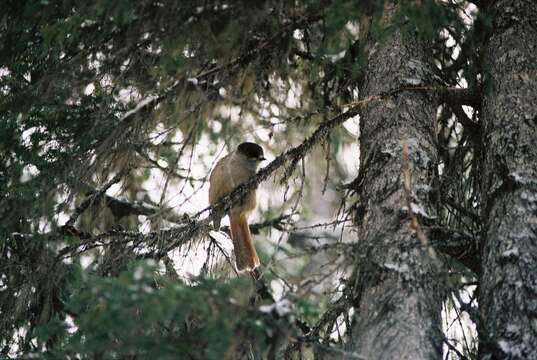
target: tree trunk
<point>398,303</point>
<point>508,284</point>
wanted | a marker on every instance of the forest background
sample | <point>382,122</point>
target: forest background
<point>397,214</point>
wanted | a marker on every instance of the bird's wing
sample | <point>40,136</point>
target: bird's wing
<point>219,184</point>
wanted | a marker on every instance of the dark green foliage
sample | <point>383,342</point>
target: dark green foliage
<point>428,16</point>
<point>141,313</point>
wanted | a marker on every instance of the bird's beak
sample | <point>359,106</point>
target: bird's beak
<point>262,158</point>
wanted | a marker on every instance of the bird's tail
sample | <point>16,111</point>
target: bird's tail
<point>245,254</point>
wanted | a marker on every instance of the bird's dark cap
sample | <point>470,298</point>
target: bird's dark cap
<point>251,150</point>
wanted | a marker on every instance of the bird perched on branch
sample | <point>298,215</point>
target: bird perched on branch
<point>229,172</point>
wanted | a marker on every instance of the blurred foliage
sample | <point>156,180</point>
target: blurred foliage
<point>141,313</point>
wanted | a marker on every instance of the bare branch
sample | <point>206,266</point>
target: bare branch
<point>91,199</point>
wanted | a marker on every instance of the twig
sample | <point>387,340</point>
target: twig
<point>92,199</point>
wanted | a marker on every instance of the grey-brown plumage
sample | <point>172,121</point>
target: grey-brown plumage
<point>229,172</point>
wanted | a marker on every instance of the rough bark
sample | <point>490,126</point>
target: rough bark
<point>397,304</point>
<point>508,284</point>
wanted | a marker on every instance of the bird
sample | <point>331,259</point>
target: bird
<point>230,172</point>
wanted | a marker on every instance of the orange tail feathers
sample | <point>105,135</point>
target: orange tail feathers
<point>245,254</point>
